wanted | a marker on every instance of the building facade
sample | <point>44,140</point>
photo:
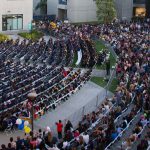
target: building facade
<point>51,12</point>
<point>18,14</point>
<point>36,12</point>
<point>124,9</point>
<point>15,14</point>
<point>130,8</point>
<point>77,10</point>
<point>52,7</point>
<point>139,8</point>
<point>85,10</point>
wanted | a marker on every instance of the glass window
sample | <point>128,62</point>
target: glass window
<point>12,22</point>
<point>15,23</point>
<point>140,12</point>
<point>4,27</point>
<point>20,23</point>
<point>9,24</point>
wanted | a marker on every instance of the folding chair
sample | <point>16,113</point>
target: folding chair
<point>9,130</point>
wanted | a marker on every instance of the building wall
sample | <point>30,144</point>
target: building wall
<point>85,10</point>
<point>24,7</point>
<point>81,10</point>
<point>52,7</point>
<point>36,12</point>
<point>118,4</point>
<point>0,18</point>
<point>124,9</point>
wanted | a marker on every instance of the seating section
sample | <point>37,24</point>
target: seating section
<point>27,65</point>
<point>136,133</point>
<point>120,122</point>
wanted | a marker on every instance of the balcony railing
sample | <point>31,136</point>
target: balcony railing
<point>63,2</point>
<point>139,1</point>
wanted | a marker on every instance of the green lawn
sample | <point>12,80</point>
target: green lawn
<point>34,35</point>
<point>102,82</point>
<point>113,85</point>
<point>99,47</point>
<point>3,37</point>
<point>74,60</point>
<point>99,81</point>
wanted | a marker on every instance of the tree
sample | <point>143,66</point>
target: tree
<point>42,5</point>
<point>147,3</point>
<point>105,11</point>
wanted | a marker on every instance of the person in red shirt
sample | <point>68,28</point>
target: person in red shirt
<point>64,72</point>
<point>59,129</point>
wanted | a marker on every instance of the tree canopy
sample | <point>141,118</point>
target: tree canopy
<point>105,11</point>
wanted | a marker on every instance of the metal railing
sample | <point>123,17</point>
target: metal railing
<point>120,134</point>
<point>76,117</point>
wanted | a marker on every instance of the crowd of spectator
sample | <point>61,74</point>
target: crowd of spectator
<point>135,134</point>
<point>27,65</point>
<point>145,142</point>
<point>131,42</point>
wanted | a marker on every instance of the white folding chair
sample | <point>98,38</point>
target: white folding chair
<point>9,130</point>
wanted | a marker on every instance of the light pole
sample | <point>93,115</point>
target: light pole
<point>32,96</point>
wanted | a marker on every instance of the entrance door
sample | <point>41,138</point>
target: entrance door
<point>62,14</point>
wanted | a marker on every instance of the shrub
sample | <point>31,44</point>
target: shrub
<point>3,37</point>
<point>34,35</point>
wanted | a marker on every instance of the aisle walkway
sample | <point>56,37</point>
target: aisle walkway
<point>99,73</point>
<point>84,100</point>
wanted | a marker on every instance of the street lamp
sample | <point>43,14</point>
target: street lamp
<point>32,96</point>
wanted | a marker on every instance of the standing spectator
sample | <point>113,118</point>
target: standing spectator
<point>13,144</point>
<point>3,147</point>
<point>50,140</point>
<point>107,67</point>
<point>59,129</point>
<point>68,126</point>
<point>19,143</point>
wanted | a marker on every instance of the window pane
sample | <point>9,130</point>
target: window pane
<point>140,12</point>
<point>14,23</point>
<point>9,24</point>
<point>19,23</point>
<point>4,20</point>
